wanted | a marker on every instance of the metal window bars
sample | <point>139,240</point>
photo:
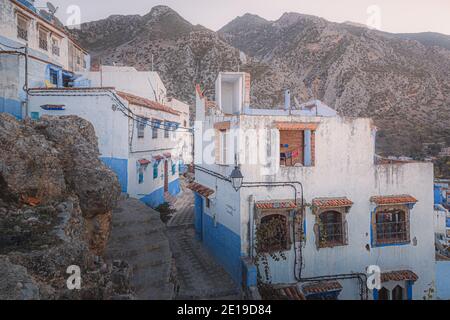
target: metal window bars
<point>22,33</point>
<point>392,232</point>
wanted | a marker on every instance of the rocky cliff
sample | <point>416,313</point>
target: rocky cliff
<point>402,81</point>
<point>56,199</point>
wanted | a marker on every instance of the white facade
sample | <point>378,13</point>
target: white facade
<point>338,162</point>
<point>140,139</point>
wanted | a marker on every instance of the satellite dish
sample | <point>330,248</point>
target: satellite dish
<point>51,8</point>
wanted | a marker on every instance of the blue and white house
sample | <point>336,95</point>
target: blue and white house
<point>313,176</point>
<point>141,137</point>
<point>35,51</point>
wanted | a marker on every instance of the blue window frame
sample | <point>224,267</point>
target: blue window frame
<point>155,170</point>
<point>35,115</point>
<point>174,168</point>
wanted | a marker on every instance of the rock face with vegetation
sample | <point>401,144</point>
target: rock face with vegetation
<point>56,199</point>
<point>400,80</point>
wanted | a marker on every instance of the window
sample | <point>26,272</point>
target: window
<point>35,115</point>
<point>166,129</point>
<point>54,76</point>
<point>207,203</point>
<point>22,28</point>
<point>43,41</point>
<point>185,123</point>
<point>383,294</point>
<point>174,168</point>
<point>155,128</point>
<point>273,233</point>
<point>55,47</point>
<point>66,79</point>
<point>155,170</point>
<point>397,293</point>
<point>141,127</point>
<point>331,229</point>
<point>297,147</point>
<point>391,226</point>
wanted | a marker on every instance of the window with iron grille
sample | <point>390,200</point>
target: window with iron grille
<point>391,226</point>
<point>166,129</point>
<point>22,28</point>
<point>155,170</point>
<point>331,229</point>
<point>141,127</point>
<point>273,233</point>
<point>155,128</point>
<point>54,77</point>
<point>55,47</point>
<point>43,41</point>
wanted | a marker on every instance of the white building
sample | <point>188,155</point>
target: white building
<point>36,51</point>
<point>358,212</point>
<point>142,140</point>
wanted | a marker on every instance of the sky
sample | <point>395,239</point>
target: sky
<point>399,16</point>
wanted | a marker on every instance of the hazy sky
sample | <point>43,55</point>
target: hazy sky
<point>394,15</point>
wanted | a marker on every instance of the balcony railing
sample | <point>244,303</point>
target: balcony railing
<point>332,234</point>
<point>22,33</point>
<point>43,44</point>
<point>392,232</point>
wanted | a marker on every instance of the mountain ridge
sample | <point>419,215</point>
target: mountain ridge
<point>401,82</point>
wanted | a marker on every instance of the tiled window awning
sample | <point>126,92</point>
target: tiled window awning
<point>222,125</point>
<point>296,125</point>
<point>276,204</point>
<point>387,200</point>
<point>158,157</point>
<point>321,287</point>
<point>332,202</point>
<point>53,107</point>
<point>201,189</point>
<point>290,293</point>
<point>144,162</point>
<point>167,154</point>
<point>400,275</point>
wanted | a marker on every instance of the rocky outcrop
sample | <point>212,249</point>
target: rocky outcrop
<point>56,199</point>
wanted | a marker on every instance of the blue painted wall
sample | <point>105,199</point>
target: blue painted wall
<point>155,198</point>
<point>11,106</point>
<point>443,280</point>
<point>174,187</point>
<point>224,245</point>
<point>120,167</point>
<point>438,198</point>
<point>198,216</point>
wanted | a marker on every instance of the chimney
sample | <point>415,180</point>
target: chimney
<point>287,100</point>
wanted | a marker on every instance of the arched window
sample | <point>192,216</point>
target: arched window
<point>331,229</point>
<point>273,233</point>
<point>392,226</point>
<point>397,293</point>
<point>383,294</point>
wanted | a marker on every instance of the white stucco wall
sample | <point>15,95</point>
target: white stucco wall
<point>344,167</point>
<point>110,126</point>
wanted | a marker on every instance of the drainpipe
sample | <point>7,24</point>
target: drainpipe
<point>26,81</point>
<point>251,199</point>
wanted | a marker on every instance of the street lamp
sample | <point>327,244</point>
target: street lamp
<point>236,178</point>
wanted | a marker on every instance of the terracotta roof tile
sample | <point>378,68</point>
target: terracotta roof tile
<point>400,199</point>
<point>400,275</point>
<point>296,125</point>
<point>144,162</point>
<point>143,102</point>
<point>200,189</point>
<point>167,154</point>
<point>332,202</point>
<point>290,293</point>
<point>320,287</point>
<point>276,204</point>
<point>158,157</point>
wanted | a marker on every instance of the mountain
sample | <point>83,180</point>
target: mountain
<point>400,80</point>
